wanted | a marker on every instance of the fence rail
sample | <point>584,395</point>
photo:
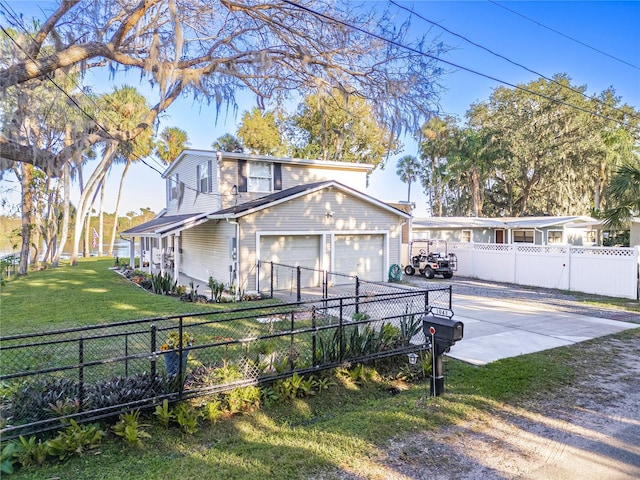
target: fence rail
<point>298,283</point>
<point>95,372</point>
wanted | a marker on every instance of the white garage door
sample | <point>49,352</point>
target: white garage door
<point>291,250</point>
<point>361,255</point>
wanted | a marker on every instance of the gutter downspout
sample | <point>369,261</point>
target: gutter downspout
<point>236,257</point>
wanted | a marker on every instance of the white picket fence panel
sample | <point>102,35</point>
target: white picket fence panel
<point>610,271</point>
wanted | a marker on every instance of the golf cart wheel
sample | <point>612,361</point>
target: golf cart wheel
<point>429,273</point>
<point>409,270</point>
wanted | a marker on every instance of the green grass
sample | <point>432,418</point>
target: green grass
<point>86,294</point>
<point>341,429</point>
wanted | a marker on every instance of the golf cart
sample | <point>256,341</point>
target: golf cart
<point>430,258</point>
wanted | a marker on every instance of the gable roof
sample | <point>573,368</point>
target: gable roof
<point>365,167</point>
<point>295,192</point>
<point>165,225</point>
<point>504,222</point>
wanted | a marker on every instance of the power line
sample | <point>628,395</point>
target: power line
<point>420,16</point>
<point>470,70</point>
<point>565,35</point>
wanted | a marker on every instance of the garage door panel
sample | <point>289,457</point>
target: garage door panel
<point>361,255</point>
<point>294,251</point>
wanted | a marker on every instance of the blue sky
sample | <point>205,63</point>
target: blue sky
<point>610,41</point>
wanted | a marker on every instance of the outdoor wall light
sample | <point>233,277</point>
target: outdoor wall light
<point>413,358</point>
<point>329,214</point>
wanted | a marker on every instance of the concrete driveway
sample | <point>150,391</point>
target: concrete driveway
<point>495,328</point>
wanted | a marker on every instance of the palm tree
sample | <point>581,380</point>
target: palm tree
<point>171,142</point>
<point>437,135</point>
<point>625,190</point>
<point>408,169</point>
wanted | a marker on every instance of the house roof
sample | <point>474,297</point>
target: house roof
<point>504,222</point>
<point>267,158</point>
<point>294,192</point>
<point>165,225</point>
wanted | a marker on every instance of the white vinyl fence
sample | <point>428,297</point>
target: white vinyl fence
<point>610,271</point>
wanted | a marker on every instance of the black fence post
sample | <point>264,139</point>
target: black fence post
<point>426,300</point>
<point>314,332</point>
<point>298,287</point>
<point>271,275</point>
<point>341,334</point>
<point>81,372</point>
<point>292,342</point>
<point>154,332</point>
<point>180,369</point>
<point>126,355</point>
<point>450,290</point>
<point>357,294</point>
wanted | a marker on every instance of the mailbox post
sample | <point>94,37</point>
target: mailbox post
<point>442,332</point>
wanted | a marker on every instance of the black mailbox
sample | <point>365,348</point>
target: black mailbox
<point>438,324</point>
<point>445,331</point>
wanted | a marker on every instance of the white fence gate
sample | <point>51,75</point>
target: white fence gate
<point>609,271</point>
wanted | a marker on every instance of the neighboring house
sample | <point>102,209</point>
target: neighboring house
<point>226,211</point>
<point>570,230</point>
<point>634,234</point>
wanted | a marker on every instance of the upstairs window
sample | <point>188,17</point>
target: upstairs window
<point>174,183</point>
<point>466,236</point>
<point>523,236</point>
<point>259,177</point>
<point>204,177</point>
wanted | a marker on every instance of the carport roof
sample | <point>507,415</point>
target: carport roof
<point>163,224</point>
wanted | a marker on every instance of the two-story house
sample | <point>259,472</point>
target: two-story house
<point>227,211</point>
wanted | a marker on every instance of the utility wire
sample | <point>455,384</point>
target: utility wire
<point>565,35</point>
<point>420,16</point>
<point>470,70</point>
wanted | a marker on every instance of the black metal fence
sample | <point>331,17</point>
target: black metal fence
<point>302,283</point>
<point>99,371</point>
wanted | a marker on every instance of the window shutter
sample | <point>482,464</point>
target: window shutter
<point>277,176</point>
<point>168,189</point>
<point>210,180</point>
<point>198,185</point>
<point>242,175</point>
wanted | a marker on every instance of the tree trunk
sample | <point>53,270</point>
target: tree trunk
<point>115,213</point>
<point>83,203</point>
<point>27,207</point>
<point>66,178</point>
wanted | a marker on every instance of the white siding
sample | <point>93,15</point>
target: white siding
<point>206,251</point>
<point>192,201</point>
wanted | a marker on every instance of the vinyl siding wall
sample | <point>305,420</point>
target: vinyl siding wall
<point>192,201</point>
<point>206,251</point>
<point>292,176</point>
